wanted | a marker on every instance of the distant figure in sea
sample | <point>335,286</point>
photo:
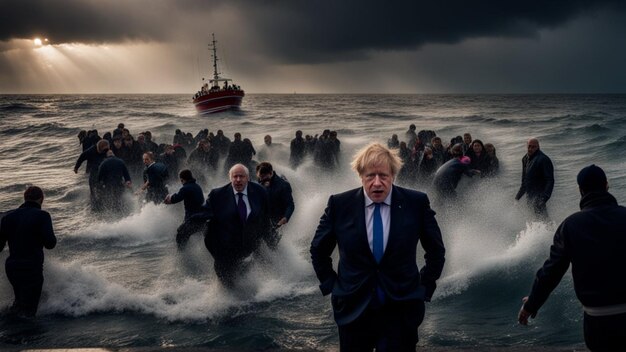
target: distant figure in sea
<point>493,167</point>
<point>537,179</point>
<point>193,198</point>
<point>393,142</point>
<point>238,222</point>
<point>593,240</point>
<point>94,157</point>
<point>467,142</point>
<point>28,230</point>
<point>378,292</point>
<point>280,199</point>
<point>155,178</point>
<point>410,136</point>
<point>297,150</point>
<point>113,180</point>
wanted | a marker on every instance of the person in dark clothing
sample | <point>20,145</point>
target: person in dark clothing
<point>131,154</point>
<point>393,142</point>
<point>236,152</point>
<point>113,180</point>
<point>427,167</point>
<point>297,150</point>
<point>439,152</point>
<point>467,142</point>
<point>593,240</point>
<point>280,198</point>
<point>377,290</point>
<point>222,143</point>
<point>192,197</point>
<point>248,153</point>
<point>155,178</point>
<point>537,179</point>
<point>94,157</point>
<point>449,174</point>
<point>493,166</point>
<point>119,131</point>
<point>27,229</point>
<point>238,220</point>
<point>92,138</point>
<point>149,144</point>
<point>179,137</point>
<point>479,160</point>
<point>82,138</point>
<point>324,154</point>
<point>171,161</point>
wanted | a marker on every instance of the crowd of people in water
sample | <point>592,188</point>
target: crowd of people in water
<point>372,293</point>
<point>206,154</point>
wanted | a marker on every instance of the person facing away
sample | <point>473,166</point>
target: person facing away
<point>537,179</point>
<point>113,179</point>
<point>28,230</point>
<point>297,150</point>
<point>280,199</point>
<point>378,293</point>
<point>193,198</point>
<point>94,157</point>
<point>593,240</point>
<point>155,178</point>
<point>238,220</point>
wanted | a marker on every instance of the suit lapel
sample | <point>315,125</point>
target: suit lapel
<point>359,216</point>
<point>396,219</point>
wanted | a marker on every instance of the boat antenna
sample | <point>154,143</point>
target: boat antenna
<point>214,48</point>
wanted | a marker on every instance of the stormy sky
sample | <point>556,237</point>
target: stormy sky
<point>160,46</point>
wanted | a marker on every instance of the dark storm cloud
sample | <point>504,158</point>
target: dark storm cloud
<point>96,21</point>
<point>294,31</point>
<point>307,32</point>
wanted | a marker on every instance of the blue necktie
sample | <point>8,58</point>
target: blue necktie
<point>377,243</point>
<point>241,207</point>
<point>378,246</point>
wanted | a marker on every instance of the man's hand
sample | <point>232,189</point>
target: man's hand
<point>168,199</point>
<point>75,171</point>
<point>523,315</point>
<point>282,222</point>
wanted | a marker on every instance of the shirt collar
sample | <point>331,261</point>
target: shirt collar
<point>369,201</point>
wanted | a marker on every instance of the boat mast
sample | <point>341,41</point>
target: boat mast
<point>216,77</point>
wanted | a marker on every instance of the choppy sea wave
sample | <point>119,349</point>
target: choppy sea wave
<point>122,282</point>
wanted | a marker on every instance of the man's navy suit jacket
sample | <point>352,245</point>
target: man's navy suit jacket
<point>358,275</point>
<point>227,237</point>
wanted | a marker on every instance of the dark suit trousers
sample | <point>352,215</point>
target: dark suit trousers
<point>391,327</point>
<point>188,228</point>
<point>27,282</point>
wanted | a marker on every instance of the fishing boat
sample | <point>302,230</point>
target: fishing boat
<point>219,93</point>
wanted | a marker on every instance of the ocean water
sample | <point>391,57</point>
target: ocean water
<point>122,282</point>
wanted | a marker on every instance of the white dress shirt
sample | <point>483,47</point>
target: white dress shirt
<point>385,214</point>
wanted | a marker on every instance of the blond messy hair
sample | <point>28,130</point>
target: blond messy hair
<point>375,154</point>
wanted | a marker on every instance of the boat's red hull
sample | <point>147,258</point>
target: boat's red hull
<point>218,101</point>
